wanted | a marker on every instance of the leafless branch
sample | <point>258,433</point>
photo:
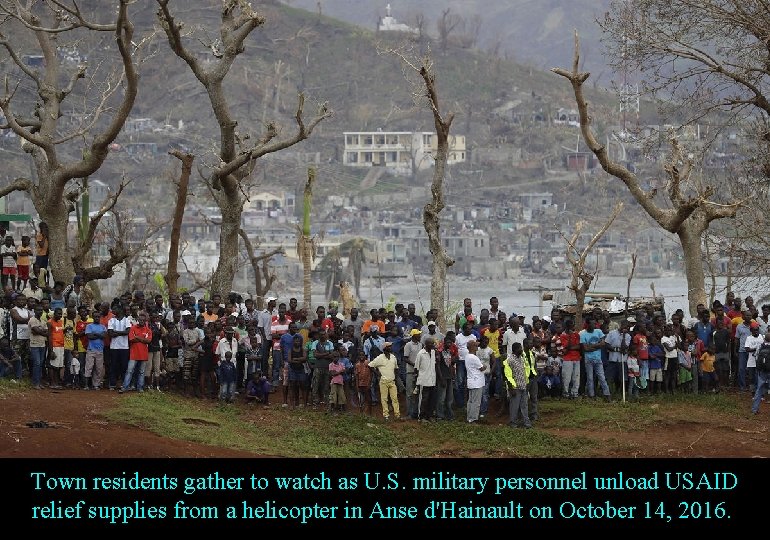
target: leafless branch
<point>20,184</point>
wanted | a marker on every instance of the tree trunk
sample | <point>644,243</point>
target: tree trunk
<point>580,300</point>
<point>307,241</point>
<point>59,258</point>
<point>172,271</point>
<point>307,259</point>
<point>222,280</point>
<point>690,234</point>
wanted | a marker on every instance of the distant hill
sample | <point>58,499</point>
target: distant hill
<point>533,32</point>
<point>332,61</point>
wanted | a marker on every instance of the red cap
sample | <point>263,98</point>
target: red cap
<point>754,324</point>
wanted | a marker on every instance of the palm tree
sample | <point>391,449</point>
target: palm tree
<point>355,250</point>
<point>331,272</point>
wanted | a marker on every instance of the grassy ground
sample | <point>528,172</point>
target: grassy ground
<point>566,428</point>
<point>679,424</point>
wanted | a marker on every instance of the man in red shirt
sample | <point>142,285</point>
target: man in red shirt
<point>139,339</point>
<point>570,370</point>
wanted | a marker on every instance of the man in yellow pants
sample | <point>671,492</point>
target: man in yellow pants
<point>388,366</point>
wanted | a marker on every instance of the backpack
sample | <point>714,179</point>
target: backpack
<point>763,358</point>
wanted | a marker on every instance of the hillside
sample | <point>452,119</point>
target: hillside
<point>538,33</point>
<point>297,50</point>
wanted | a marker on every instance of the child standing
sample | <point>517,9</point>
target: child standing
<point>228,374</point>
<point>336,374</point>
<point>634,374</point>
<point>656,354</point>
<point>362,376</point>
<point>8,254</point>
<point>75,372</point>
<point>23,258</point>
<point>708,371</point>
<point>550,382</point>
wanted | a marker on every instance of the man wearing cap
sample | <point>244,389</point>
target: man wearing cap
<point>431,331</point>
<point>387,366</point>
<point>373,342</point>
<point>411,350</point>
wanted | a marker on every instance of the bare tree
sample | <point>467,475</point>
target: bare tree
<point>688,217</point>
<point>471,29</point>
<point>581,278</point>
<point>263,276</point>
<point>172,269</point>
<point>237,154</point>
<point>132,236</point>
<point>706,57</point>
<point>431,212</point>
<point>703,56</point>
<point>446,25</point>
<point>306,244</point>
<point>44,138</point>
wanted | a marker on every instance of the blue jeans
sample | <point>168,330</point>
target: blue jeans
<point>499,379</point>
<point>485,394</point>
<point>226,391</point>
<point>596,369</point>
<point>763,382</point>
<point>18,368</point>
<point>37,354</point>
<point>460,382</point>
<point>743,359</point>
<point>277,365</point>
<point>132,364</point>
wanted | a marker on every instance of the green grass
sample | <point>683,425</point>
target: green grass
<point>307,433</point>
<point>590,426</point>
<point>10,389</point>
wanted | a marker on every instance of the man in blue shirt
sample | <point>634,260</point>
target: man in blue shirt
<point>704,329</point>
<point>591,343</point>
<point>94,368</point>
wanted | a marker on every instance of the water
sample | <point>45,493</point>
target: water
<point>527,303</point>
<point>673,289</point>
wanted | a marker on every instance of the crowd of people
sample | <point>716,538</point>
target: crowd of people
<point>412,366</point>
<point>58,337</point>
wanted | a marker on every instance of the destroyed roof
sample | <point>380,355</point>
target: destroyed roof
<point>615,304</point>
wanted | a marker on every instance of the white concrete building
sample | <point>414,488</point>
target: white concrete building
<point>403,152</point>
